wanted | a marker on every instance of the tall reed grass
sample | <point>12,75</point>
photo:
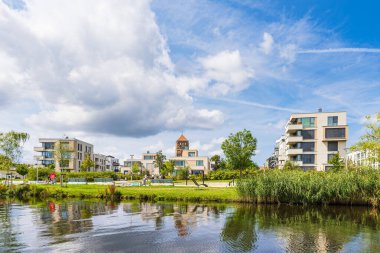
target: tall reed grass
<point>298,187</point>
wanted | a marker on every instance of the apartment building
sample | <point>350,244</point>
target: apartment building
<point>127,167</point>
<point>311,139</point>
<point>112,163</point>
<point>362,158</point>
<point>189,158</point>
<point>100,162</point>
<point>72,153</point>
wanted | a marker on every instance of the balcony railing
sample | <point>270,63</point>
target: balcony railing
<point>294,138</point>
<point>39,149</point>
<point>293,127</point>
<point>294,151</point>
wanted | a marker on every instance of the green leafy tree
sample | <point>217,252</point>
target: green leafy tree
<point>216,159</point>
<point>168,168</point>
<point>159,161</point>
<point>370,141</point>
<point>336,162</point>
<point>239,149</point>
<point>22,169</point>
<point>11,144</point>
<point>5,162</point>
<point>290,165</point>
<point>136,168</point>
<point>62,154</point>
<point>87,163</point>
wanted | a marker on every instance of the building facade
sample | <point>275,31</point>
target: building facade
<point>100,162</point>
<point>189,158</point>
<point>312,139</point>
<point>65,154</point>
<point>112,164</point>
<point>362,158</point>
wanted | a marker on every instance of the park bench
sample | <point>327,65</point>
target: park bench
<point>77,181</point>
<point>103,180</point>
<point>162,182</point>
<point>134,184</point>
<point>197,184</point>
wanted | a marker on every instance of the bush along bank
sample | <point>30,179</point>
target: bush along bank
<point>298,187</point>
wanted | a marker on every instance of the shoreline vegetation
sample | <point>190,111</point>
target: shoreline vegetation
<point>264,187</point>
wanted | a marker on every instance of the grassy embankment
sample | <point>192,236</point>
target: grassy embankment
<point>156,193</point>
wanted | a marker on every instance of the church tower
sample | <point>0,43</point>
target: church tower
<point>181,144</point>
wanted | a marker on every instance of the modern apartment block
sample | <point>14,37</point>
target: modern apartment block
<point>74,152</point>
<point>146,164</point>
<point>100,162</point>
<point>186,157</point>
<point>311,139</point>
<point>362,158</point>
<point>112,164</point>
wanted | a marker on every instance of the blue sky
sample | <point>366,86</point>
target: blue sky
<point>131,76</point>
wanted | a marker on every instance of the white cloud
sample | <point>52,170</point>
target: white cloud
<point>100,66</point>
<point>339,50</point>
<point>267,43</point>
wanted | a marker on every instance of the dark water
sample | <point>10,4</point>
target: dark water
<point>82,226</point>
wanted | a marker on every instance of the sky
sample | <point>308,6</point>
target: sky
<point>133,75</point>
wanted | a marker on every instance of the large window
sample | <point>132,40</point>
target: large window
<point>307,146</point>
<point>48,154</point>
<point>332,146</point>
<point>308,122</point>
<point>199,163</point>
<point>308,134</point>
<point>148,157</point>
<point>191,154</point>
<point>329,157</point>
<point>332,121</point>
<point>179,163</point>
<point>335,133</point>
<point>47,162</point>
<point>308,159</point>
<point>48,145</point>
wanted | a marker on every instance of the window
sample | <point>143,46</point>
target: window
<point>47,162</point>
<point>307,146</point>
<point>308,122</point>
<point>47,154</point>
<point>308,134</point>
<point>308,159</point>
<point>332,146</point>
<point>335,133</point>
<point>329,157</point>
<point>179,163</point>
<point>78,155</point>
<point>196,172</point>
<point>148,157</point>
<point>332,121</point>
<point>191,154</point>
<point>48,145</point>
<point>199,162</point>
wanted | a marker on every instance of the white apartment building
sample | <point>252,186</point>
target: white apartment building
<point>311,139</point>
<point>189,158</point>
<point>112,164</point>
<point>362,158</point>
<point>75,153</point>
<point>100,162</point>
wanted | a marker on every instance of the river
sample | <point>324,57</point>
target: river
<point>100,226</point>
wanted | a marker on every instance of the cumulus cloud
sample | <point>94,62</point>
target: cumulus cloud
<point>103,66</point>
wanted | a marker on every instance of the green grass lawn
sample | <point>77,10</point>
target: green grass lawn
<point>158,193</point>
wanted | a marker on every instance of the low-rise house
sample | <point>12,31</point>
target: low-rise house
<point>362,158</point>
<point>112,164</point>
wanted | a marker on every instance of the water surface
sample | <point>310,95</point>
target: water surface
<point>85,226</point>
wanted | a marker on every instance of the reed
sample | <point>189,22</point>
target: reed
<point>298,187</point>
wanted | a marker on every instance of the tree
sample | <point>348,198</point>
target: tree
<point>370,141</point>
<point>216,160</point>
<point>168,168</point>
<point>239,148</point>
<point>136,168</point>
<point>22,169</point>
<point>159,161</point>
<point>87,163</point>
<point>290,165</point>
<point>11,144</point>
<point>336,162</point>
<point>62,154</point>
<point>5,162</point>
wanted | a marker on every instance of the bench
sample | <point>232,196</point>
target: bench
<point>103,180</point>
<point>134,184</point>
<point>77,181</point>
<point>162,182</point>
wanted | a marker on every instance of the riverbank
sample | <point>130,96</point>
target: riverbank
<point>153,193</point>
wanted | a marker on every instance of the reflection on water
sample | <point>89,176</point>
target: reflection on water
<point>82,226</point>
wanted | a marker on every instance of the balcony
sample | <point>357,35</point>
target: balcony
<point>38,157</point>
<point>294,139</point>
<point>294,151</point>
<point>293,127</point>
<point>39,149</point>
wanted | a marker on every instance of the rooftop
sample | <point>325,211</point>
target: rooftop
<point>182,138</point>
